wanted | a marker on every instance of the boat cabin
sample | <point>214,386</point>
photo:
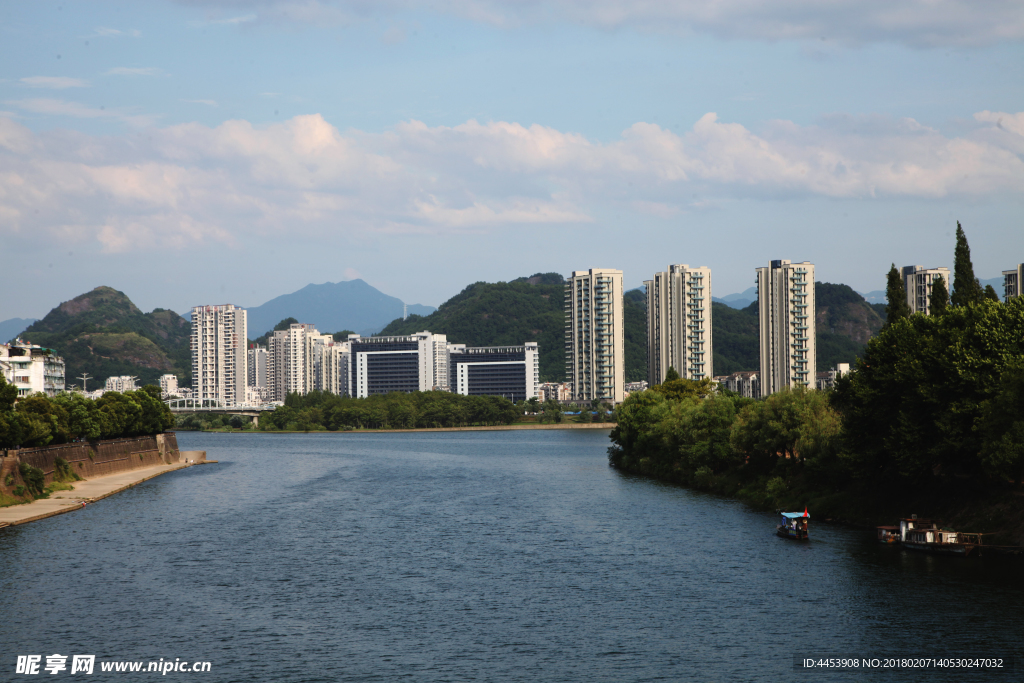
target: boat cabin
<point>915,524</point>
<point>793,525</point>
<point>888,534</point>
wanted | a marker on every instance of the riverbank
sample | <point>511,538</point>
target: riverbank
<point>91,490</point>
<point>494,428</point>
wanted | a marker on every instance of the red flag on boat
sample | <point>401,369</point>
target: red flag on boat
<point>805,511</point>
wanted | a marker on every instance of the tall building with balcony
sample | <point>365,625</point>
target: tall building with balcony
<point>291,355</point>
<point>785,296</point>
<point>416,362</point>
<point>509,371</point>
<point>594,356</point>
<point>917,281</point>
<point>1013,280</point>
<point>331,367</point>
<point>679,323</point>
<point>219,362</point>
<point>32,369</point>
<point>256,366</point>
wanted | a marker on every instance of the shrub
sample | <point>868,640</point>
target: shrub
<point>33,478</point>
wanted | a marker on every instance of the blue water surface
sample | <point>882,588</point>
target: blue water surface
<point>475,556</point>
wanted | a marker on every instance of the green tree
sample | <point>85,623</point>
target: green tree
<point>939,300</point>
<point>896,296</point>
<point>966,289</point>
<point>990,294</point>
<point>1002,423</point>
<point>671,374</point>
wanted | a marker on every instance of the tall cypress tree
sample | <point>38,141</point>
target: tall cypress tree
<point>966,289</point>
<point>939,300</point>
<point>896,295</point>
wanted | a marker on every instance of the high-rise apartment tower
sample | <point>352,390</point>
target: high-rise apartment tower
<point>785,296</point>
<point>1013,280</point>
<point>679,323</point>
<point>219,364</point>
<point>917,280</point>
<point>594,357</point>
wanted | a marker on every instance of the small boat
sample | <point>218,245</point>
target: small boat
<point>794,525</point>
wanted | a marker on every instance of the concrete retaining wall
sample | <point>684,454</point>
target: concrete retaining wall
<point>94,458</point>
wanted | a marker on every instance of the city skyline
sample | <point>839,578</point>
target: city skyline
<point>367,140</point>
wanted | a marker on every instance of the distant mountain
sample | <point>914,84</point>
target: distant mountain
<point>490,314</point>
<point>9,329</point>
<point>741,300</point>
<point>875,297</point>
<point>333,306</point>
<point>103,333</point>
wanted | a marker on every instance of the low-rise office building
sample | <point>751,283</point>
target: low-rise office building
<point>407,363</point>
<point>32,369</point>
<point>509,371</point>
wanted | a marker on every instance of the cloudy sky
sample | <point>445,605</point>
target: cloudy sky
<point>213,151</point>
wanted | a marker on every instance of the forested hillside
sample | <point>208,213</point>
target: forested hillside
<point>493,314</point>
<point>103,333</point>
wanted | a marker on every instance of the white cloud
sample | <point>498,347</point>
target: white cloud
<point>921,23</point>
<point>133,71</point>
<point>55,107</point>
<point>192,184</point>
<point>54,82</point>
<point>107,32</point>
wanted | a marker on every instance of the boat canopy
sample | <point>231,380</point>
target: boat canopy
<point>796,515</point>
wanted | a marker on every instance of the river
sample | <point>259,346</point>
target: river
<point>486,556</point>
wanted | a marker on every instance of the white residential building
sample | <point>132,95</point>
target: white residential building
<point>219,362</point>
<point>378,365</point>
<point>917,280</point>
<point>256,366</point>
<point>32,369</point>
<point>121,383</point>
<point>594,355</point>
<point>679,323</point>
<point>291,355</point>
<point>553,391</point>
<point>745,383</point>
<point>509,371</point>
<point>785,294</point>
<point>331,367</point>
<point>257,396</point>
<point>1013,280</point>
<point>168,386</point>
<point>827,379</point>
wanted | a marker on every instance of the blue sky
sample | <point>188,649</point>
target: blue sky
<point>208,152</point>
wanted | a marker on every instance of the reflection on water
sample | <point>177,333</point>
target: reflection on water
<point>490,556</point>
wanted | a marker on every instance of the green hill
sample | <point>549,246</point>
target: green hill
<point>103,333</point>
<point>492,314</point>
<point>844,319</point>
<point>530,309</point>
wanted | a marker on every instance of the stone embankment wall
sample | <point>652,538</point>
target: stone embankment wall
<point>91,459</point>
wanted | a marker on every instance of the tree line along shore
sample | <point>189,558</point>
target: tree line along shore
<point>323,411</point>
<point>930,421</point>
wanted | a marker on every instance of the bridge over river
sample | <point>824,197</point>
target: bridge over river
<point>214,406</point>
